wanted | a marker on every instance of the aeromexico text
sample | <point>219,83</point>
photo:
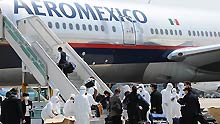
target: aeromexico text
<point>72,10</point>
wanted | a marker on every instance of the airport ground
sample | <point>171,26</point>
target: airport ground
<point>212,105</point>
<point>209,102</point>
<point>205,103</point>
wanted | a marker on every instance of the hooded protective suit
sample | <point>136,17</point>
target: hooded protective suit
<point>90,97</point>
<point>68,106</point>
<point>181,92</point>
<point>52,108</point>
<point>56,92</point>
<point>175,105</point>
<point>166,102</point>
<point>82,107</point>
<point>124,89</point>
<point>144,93</point>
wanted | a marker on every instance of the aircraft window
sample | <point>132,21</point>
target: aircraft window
<point>84,27</point>
<point>215,34</point>
<point>156,31</point>
<point>171,31</point>
<point>152,31</point>
<point>113,29</point>
<point>206,33</point>
<point>64,25</point>
<point>77,26</point>
<point>57,25</point>
<point>161,31</point>
<point>202,33</point>
<point>71,26</point>
<point>210,33</point>
<point>166,32</point>
<point>176,32</point>
<point>189,32</point>
<point>180,32</point>
<point>102,28</point>
<point>50,24</point>
<point>90,27</point>
<point>198,33</point>
<point>219,34</point>
<point>194,33</point>
<point>96,27</point>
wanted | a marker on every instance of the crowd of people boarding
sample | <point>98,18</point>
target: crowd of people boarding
<point>136,106</point>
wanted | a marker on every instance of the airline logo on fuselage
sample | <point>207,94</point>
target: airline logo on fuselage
<point>83,11</point>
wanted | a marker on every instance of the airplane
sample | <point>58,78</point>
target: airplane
<point>124,41</point>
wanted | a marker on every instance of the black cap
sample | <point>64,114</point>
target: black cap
<point>25,94</point>
<point>8,94</point>
<point>59,48</point>
<point>14,91</point>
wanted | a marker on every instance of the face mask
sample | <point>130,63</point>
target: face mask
<point>72,100</point>
<point>150,90</point>
<point>26,98</point>
<point>140,89</point>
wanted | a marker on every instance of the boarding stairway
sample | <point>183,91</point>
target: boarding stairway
<point>37,46</point>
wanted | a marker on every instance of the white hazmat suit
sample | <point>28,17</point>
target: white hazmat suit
<point>56,92</point>
<point>166,102</point>
<point>144,93</point>
<point>90,97</point>
<point>124,89</point>
<point>68,106</point>
<point>175,105</point>
<point>82,107</point>
<point>181,92</point>
<point>52,109</point>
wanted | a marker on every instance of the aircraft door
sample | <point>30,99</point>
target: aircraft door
<point>129,32</point>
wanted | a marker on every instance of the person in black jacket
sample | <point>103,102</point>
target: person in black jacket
<point>156,100</point>
<point>190,107</point>
<point>105,100</point>
<point>62,61</point>
<point>137,107</point>
<point>26,108</point>
<point>11,112</point>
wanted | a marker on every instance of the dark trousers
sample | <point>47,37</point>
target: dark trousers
<point>116,119</point>
<point>188,120</point>
<point>134,117</point>
<point>27,119</point>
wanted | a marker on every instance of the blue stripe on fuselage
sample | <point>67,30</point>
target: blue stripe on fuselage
<point>9,58</point>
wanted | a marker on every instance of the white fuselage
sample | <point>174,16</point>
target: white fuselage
<point>113,25</point>
<point>87,16</point>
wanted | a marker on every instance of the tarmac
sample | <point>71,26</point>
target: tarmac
<point>212,105</point>
<point>204,102</point>
<point>209,102</point>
